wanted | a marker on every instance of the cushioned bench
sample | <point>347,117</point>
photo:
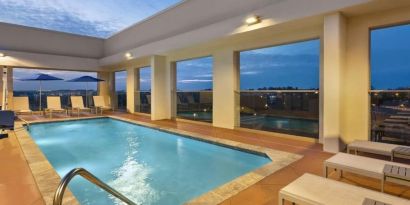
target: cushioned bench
<point>315,190</point>
<point>391,150</point>
<point>364,166</point>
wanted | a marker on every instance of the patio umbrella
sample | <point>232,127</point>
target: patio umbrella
<point>41,77</point>
<point>86,79</point>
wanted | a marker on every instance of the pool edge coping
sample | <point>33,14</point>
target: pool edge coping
<point>44,174</point>
<point>47,178</point>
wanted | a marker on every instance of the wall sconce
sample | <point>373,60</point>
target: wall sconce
<point>253,20</point>
<point>128,55</point>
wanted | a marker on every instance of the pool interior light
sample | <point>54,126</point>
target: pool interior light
<point>253,20</point>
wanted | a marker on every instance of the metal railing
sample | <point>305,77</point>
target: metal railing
<point>289,111</point>
<point>25,121</point>
<point>59,194</point>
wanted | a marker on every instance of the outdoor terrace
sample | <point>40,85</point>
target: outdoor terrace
<point>16,176</point>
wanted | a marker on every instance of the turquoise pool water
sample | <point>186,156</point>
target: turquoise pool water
<point>147,165</point>
<point>295,126</point>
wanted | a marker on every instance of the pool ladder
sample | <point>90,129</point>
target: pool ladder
<point>59,194</point>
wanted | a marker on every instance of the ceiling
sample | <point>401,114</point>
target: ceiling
<point>96,18</point>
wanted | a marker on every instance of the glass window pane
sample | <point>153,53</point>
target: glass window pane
<point>290,66</point>
<point>390,58</point>
<point>390,71</point>
<point>195,74</point>
<point>145,79</point>
<point>285,67</point>
<point>194,89</point>
<point>121,89</point>
<point>143,95</point>
<point>52,88</point>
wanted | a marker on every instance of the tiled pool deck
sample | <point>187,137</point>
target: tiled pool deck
<point>17,184</point>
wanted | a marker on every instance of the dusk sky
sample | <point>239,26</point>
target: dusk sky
<point>295,64</point>
<point>390,57</point>
<point>99,18</point>
<point>195,74</point>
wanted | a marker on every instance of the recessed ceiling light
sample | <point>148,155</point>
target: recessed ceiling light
<point>128,55</point>
<point>2,55</point>
<point>253,20</point>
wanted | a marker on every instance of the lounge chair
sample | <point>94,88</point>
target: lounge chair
<point>54,106</point>
<point>77,104</point>
<point>6,121</point>
<point>369,167</point>
<point>391,150</point>
<point>21,105</point>
<point>102,103</point>
<point>310,189</point>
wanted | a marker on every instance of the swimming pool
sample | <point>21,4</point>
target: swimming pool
<point>287,125</point>
<point>147,165</point>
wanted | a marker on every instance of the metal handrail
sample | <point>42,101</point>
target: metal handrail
<point>27,123</point>
<point>277,91</point>
<point>59,194</point>
<point>389,91</point>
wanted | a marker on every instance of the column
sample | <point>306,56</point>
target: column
<point>226,89</point>
<point>107,87</point>
<point>161,88</point>
<point>334,39</point>
<point>133,98</point>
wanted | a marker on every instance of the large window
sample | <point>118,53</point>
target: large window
<point>390,84</point>
<point>121,89</point>
<point>194,89</point>
<point>279,88</point>
<point>52,88</point>
<point>143,92</point>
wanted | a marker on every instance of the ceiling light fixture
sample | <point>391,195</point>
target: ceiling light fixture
<point>128,55</point>
<point>253,20</point>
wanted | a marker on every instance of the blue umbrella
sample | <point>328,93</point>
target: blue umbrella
<point>41,77</point>
<point>86,79</point>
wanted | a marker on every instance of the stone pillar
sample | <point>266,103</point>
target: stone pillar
<point>107,87</point>
<point>161,88</point>
<point>132,86</point>
<point>334,40</point>
<point>226,89</point>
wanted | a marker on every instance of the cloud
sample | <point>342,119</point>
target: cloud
<point>249,72</point>
<point>194,81</point>
<point>100,18</point>
<point>209,75</point>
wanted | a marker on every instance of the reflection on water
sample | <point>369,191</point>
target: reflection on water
<point>131,178</point>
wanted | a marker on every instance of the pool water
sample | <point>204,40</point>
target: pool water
<point>147,165</point>
<point>295,126</point>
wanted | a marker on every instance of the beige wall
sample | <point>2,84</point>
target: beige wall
<point>106,87</point>
<point>25,39</point>
<point>334,35</point>
<point>161,88</point>
<point>356,75</point>
<point>226,86</point>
